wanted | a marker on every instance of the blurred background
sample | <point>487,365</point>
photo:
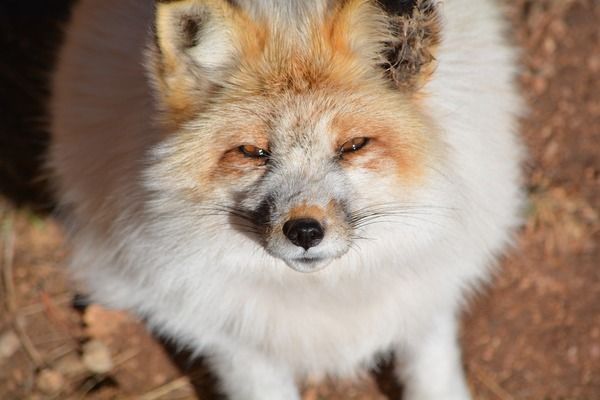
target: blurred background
<point>534,335</point>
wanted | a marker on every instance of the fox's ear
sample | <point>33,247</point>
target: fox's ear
<point>399,36</point>
<point>196,43</point>
<point>415,31</point>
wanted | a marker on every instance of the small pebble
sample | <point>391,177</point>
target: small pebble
<point>50,381</point>
<point>9,345</point>
<point>96,357</point>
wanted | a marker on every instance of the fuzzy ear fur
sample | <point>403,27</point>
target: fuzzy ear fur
<point>409,59</point>
<point>400,36</point>
<point>196,43</point>
<point>361,27</point>
<point>197,31</point>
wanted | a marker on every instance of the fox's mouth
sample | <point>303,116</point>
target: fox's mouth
<point>309,260</point>
<point>308,264</point>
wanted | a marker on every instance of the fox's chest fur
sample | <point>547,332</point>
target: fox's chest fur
<point>187,136</point>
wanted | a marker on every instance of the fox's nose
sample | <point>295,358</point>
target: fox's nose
<point>304,232</point>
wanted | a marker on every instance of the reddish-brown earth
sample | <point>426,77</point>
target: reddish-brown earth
<point>534,335</point>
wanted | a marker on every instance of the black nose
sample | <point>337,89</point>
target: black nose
<point>305,232</point>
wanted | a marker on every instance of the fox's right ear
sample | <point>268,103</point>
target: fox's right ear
<point>415,31</point>
<point>196,43</point>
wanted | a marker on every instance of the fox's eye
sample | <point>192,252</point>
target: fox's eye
<point>354,145</point>
<point>251,151</point>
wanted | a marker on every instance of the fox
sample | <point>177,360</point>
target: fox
<point>290,188</point>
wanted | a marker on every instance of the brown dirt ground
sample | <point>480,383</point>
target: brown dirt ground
<point>534,335</point>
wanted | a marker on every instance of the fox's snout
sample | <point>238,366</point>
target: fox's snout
<point>305,236</point>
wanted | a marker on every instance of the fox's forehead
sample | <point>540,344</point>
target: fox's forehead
<point>269,123</point>
<point>325,118</point>
<point>302,120</point>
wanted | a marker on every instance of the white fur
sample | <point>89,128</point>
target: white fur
<point>263,324</point>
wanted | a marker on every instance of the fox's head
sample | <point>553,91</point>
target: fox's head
<point>298,124</point>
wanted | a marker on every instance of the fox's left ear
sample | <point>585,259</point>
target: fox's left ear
<point>399,36</point>
<point>415,32</point>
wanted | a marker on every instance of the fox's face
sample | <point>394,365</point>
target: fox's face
<point>291,132</point>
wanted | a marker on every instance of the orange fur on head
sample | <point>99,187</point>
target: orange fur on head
<point>306,211</point>
<point>339,51</point>
<point>207,48</point>
<point>403,144</point>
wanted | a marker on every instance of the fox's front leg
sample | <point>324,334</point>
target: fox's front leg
<point>248,375</point>
<point>430,367</point>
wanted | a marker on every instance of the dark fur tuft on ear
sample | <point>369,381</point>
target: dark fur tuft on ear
<point>398,7</point>
<point>416,28</point>
<point>190,28</point>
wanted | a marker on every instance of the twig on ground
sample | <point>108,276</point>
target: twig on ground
<point>49,339</point>
<point>60,352</point>
<point>122,358</point>
<point>40,307</point>
<point>483,377</point>
<point>9,238</point>
<point>34,355</point>
<point>165,389</point>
